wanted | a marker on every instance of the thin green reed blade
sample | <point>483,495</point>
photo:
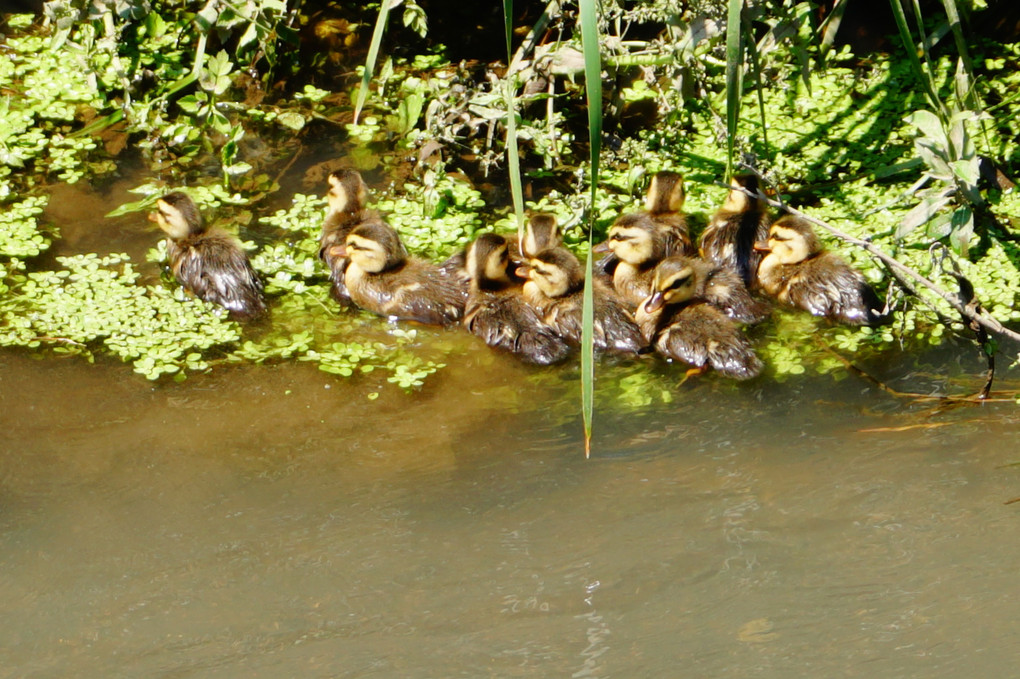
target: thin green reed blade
<point>953,14</point>
<point>513,159</point>
<point>373,54</point>
<point>911,48</point>
<point>734,75</point>
<point>593,88</point>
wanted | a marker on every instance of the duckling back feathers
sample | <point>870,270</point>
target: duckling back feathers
<point>208,263</point>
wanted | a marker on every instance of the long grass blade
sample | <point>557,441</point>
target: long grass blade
<point>927,82</point>
<point>734,77</point>
<point>953,14</point>
<point>373,55</point>
<point>512,154</point>
<point>593,88</point>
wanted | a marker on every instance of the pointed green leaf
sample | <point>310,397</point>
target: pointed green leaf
<point>593,88</point>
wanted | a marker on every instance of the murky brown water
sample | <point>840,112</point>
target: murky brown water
<point>273,522</point>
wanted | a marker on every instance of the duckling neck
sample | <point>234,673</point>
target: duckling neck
<point>533,294</point>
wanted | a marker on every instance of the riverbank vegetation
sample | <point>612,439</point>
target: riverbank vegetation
<point>913,154</point>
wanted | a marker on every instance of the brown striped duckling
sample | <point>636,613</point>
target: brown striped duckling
<point>682,326</point>
<point>664,201</point>
<point>722,288</point>
<point>541,232</point>
<point>797,271</point>
<point>496,309</point>
<point>347,200</point>
<point>208,263</point>
<point>556,290</point>
<point>638,245</point>
<point>383,279</point>
<point>742,221</point>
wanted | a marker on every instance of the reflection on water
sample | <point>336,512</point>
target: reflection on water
<point>274,522</point>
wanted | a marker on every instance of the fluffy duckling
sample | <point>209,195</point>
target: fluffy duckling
<point>496,310</point>
<point>664,203</point>
<point>540,233</point>
<point>742,221</point>
<point>638,245</point>
<point>797,271</point>
<point>347,207</point>
<point>682,326</point>
<point>381,278</point>
<point>208,263</point>
<point>556,290</point>
<point>722,288</point>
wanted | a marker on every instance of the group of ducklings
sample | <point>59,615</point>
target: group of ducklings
<point>654,290</point>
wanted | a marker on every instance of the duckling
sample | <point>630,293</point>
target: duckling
<point>496,309</point>
<point>682,326</point>
<point>556,290</point>
<point>742,221</point>
<point>797,271</point>
<point>208,263</point>
<point>347,198</point>
<point>664,200</point>
<point>638,245</point>
<point>722,288</point>
<point>663,203</point>
<point>383,279</point>
<point>541,232</point>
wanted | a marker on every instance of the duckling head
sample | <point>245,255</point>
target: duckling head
<point>347,192</point>
<point>737,200</point>
<point>791,241</point>
<point>556,272</point>
<point>665,193</point>
<point>635,239</point>
<point>374,247</point>
<point>177,214</point>
<point>540,233</point>
<point>675,282</point>
<point>488,261</point>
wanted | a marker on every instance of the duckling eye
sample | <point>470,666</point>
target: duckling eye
<point>679,282</point>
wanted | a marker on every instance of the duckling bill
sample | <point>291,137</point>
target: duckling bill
<point>208,263</point>
<point>799,272</point>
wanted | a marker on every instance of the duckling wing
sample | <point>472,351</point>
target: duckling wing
<point>615,328</point>
<point>678,235</point>
<point>632,285</point>
<point>504,320</point>
<point>215,269</point>
<point>419,291</point>
<point>702,335</point>
<point>724,290</point>
<point>828,286</point>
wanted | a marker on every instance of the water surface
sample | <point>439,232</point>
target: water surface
<point>274,521</point>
